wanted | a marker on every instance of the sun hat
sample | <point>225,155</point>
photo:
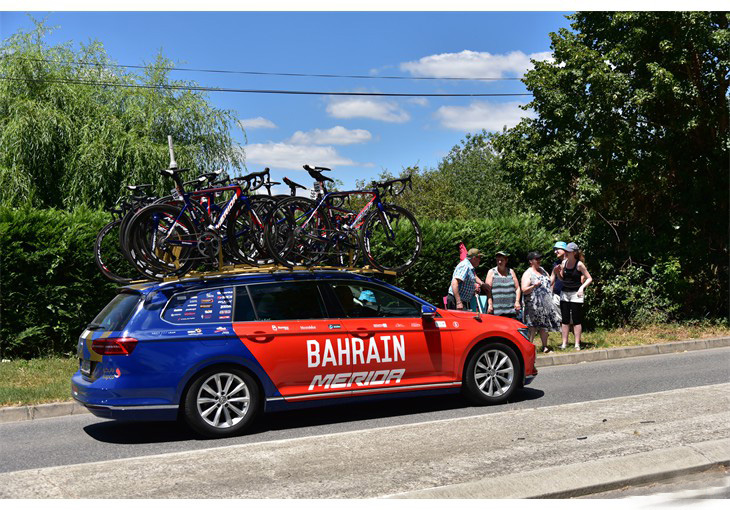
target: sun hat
<point>571,247</point>
<point>502,253</point>
<point>560,245</point>
<point>474,252</point>
<point>534,255</point>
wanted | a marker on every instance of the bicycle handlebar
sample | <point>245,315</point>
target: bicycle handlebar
<point>394,186</point>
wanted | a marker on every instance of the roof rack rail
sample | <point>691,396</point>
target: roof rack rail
<point>269,268</point>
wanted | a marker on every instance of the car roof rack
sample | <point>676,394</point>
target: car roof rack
<point>240,269</point>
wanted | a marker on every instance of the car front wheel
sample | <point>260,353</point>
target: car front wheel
<point>492,374</point>
<point>221,402</point>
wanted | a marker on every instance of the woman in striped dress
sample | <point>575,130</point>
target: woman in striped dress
<point>503,289</point>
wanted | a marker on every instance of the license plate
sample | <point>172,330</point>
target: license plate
<point>86,367</point>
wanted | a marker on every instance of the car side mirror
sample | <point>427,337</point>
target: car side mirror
<point>428,311</point>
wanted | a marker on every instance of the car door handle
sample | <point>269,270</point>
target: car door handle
<point>260,336</point>
<point>362,332</point>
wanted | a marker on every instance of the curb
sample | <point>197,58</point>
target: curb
<point>54,410</point>
<point>24,413</point>
<point>569,481</point>
<point>630,352</point>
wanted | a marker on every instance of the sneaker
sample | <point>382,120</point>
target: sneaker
<point>563,347</point>
<point>545,349</point>
<point>577,347</point>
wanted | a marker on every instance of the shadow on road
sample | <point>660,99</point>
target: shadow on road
<point>118,432</point>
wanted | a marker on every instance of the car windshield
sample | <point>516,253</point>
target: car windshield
<point>116,314</point>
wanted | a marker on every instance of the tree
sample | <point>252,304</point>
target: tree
<point>630,148</point>
<point>467,184</point>
<point>63,143</point>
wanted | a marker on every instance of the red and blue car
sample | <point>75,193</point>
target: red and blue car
<point>217,351</point>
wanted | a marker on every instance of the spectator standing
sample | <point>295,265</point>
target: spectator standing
<point>540,313</point>
<point>557,283</point>
<point>464,281</point>
<point>571,272</point>
<point>503,289</point>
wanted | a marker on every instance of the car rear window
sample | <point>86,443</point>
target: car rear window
<point>115,315</point>
<point>200,307</point>
<point>287,301</point>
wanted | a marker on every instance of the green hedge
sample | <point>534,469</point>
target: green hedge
<point>50,287</point>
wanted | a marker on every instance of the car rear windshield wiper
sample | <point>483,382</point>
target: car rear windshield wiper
<point>94,327</point>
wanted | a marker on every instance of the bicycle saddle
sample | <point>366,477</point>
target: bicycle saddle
<point>293,185</point>
<point>316,173</point>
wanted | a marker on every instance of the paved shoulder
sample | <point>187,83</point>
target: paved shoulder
<point>668,428</point>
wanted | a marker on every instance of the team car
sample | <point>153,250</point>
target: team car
<point>217,351</point>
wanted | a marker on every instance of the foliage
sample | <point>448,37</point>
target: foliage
<point>630,148</point>
<point>430,276</point>
<point>63,143</point>
<point>467,184</point>
<point>50,287</point>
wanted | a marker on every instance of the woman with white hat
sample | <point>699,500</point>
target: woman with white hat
<point>571,272</point>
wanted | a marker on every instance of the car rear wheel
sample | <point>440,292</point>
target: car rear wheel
<point>222,402</point>
<point>492,374</point>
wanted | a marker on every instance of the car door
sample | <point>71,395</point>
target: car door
<point>391,342</point>
<point>283,324</point>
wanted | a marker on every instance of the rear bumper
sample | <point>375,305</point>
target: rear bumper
<point>133,413</point>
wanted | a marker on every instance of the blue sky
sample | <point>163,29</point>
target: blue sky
<point>356,136</point>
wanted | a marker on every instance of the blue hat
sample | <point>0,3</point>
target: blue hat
<point>560,245</point>
<point>367,295</point>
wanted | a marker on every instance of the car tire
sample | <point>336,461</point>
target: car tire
<point>492,374</point>
<point>221,402</point>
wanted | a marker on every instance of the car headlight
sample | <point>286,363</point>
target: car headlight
<point>524,332</point>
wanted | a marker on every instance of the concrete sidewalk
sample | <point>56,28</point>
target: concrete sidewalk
<point>558,451</point>
<point>21,413</point>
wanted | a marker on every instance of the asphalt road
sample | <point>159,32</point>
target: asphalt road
<point>84,438</point>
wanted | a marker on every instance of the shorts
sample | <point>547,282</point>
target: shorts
<point>571,297</point>
<point>556,305</point>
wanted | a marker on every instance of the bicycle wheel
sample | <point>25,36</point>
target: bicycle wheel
<point>391,239</point>
<point>296,232</point>
<point>108,255</point>
<point>161,237</point>
<point>245,230</point>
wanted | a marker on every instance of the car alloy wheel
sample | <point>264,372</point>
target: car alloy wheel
<point>492,374</point>
<point>222,402</point>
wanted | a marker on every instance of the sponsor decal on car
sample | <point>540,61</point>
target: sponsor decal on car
<point>440,324</point>
<point>355,351</point>
<point>383,325</point>
<point>274,327</point>
<point>456,324</point>
<point>196,331</point>
<point>334,326</point>
<point>221,329</point>
<point>349,379</point>
<point>306,328</point>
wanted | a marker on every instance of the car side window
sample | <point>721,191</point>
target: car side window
<point>244,307</point>
<point>287,301</point>
<point>200,307</point>
<point>364,300</point>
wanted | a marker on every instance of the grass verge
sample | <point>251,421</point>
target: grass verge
<point>43,380</point>
<point>36,381</point>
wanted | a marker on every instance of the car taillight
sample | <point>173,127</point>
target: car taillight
<point>114,346</point>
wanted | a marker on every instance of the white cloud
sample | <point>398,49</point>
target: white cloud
<point>256,123</point>
<point>481,115</point>
<point>368,108</point>
<point>419,101</point>
<point>291,156</point>
<point>337,135</point>
<point>473,64</point>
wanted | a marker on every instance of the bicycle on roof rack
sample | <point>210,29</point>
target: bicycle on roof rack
<point>169,237</point>
<point>303,232</point>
